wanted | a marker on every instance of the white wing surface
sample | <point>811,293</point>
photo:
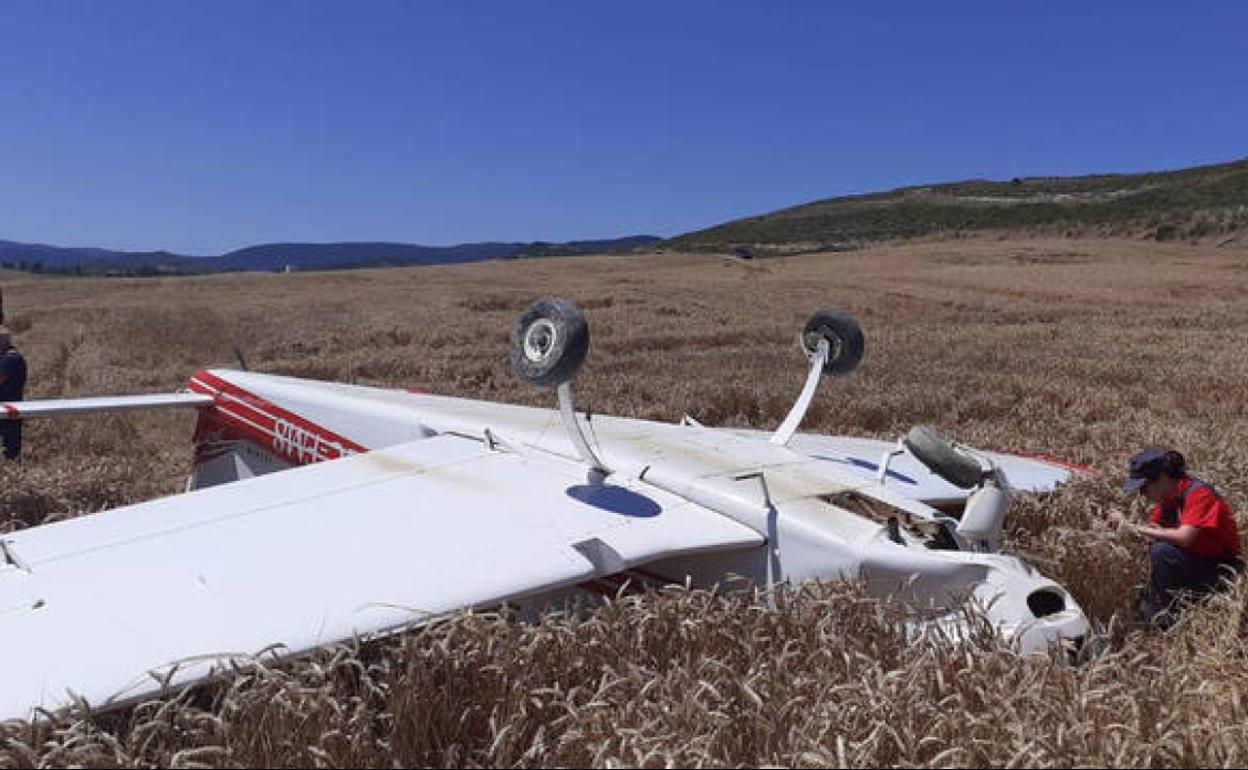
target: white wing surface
<point>911,478</point>
<point>108,606</point>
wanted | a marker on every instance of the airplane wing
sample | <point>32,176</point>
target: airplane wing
<point>909,476</point>
<point>913,479</point>
<point>55,407</point>
<point>113,606</point>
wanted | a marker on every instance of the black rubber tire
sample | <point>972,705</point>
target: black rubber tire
<point>549,342</point>
<point>846,343</point>
<point>943,458</point>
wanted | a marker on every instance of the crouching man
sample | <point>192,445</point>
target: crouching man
<point>1195,541</point>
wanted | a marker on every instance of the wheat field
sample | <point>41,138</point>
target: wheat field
<point>1085,349</point>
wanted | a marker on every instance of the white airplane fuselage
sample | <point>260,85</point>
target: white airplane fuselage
<point>821,508</point>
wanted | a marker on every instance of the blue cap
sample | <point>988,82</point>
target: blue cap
<point>1143,467</point>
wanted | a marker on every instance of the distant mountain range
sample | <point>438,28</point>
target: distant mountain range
<point>295,256</point>
<point>1205,202</point>
<point>1196,203</point>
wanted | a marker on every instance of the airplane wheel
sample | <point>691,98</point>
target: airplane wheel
<point>845,340</point>
<point>549,342</point>
<point>941,457</point>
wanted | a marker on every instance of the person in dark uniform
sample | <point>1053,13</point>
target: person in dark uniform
<point>12,388</point>
<point>1195,540</point>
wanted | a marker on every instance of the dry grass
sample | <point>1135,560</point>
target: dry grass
<point>1083,349</point>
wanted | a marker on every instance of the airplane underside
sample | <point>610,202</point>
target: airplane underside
<point>248,434</point>
<point>426,505</point>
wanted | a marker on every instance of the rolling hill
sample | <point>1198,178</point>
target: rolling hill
<point>1194,203</point>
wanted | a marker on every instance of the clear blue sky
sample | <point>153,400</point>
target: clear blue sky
<point>201,127</point>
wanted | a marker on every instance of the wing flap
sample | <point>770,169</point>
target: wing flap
<point>313,555</point>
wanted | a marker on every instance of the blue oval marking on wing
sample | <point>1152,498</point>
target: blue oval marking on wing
<point>613,499</point>
<point>868,465</point>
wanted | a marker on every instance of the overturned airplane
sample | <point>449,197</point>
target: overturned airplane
<point>320,512</point>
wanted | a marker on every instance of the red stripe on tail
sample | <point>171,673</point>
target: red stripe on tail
<point>239,414</point>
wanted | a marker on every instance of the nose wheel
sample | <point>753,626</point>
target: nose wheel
<point>941,457</point>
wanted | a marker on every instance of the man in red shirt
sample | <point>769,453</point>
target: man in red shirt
<point>1196,543</point>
